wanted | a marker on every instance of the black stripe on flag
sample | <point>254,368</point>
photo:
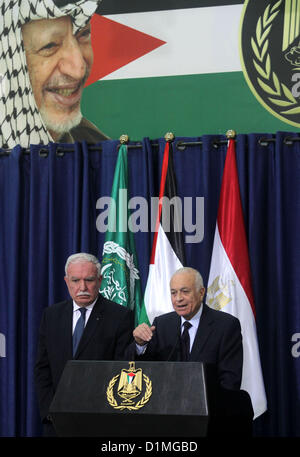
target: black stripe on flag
<point>139,6</point>
<point>175,238</point>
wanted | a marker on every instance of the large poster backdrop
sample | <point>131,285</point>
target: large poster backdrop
<point>48,203</point>
<point>196,68</point>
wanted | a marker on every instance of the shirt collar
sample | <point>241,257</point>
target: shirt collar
<point>91,306</point>
<point>195,319</point>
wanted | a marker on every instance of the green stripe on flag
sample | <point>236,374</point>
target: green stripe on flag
<point>187,105</point>
<point>120,274</point>
<point>143,318</point>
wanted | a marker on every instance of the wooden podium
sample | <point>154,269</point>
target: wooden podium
<point>132,399</point>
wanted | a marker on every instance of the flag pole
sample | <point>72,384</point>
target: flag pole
<point>169,137</point>
<point>229,284</point>
<point>167,245</point>
<point>120,274</point>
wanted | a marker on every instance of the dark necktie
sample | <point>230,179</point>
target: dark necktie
<point>185,342</point>
<point>78,329</point>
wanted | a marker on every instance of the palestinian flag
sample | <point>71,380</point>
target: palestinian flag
<point>120,275</point>
<point>229,284</point>
<point>167,253</point>
<point>175,65</point>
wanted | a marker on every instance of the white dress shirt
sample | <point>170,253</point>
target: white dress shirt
<point>77,313</point>
<point>192,331</point>
<point>194,326</point>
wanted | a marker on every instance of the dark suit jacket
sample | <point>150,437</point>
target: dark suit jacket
<point>105,337</point>
<point>218,343</point>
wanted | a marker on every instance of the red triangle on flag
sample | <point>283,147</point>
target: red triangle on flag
<point>115,45</point>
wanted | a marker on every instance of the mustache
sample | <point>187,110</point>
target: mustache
<point>65,80</point>
<point>83,293</point>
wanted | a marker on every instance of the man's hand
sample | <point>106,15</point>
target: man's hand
<point>143,334</point>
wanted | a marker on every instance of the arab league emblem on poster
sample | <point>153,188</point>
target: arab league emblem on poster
<point>270,55</point>
<point>133,388</point>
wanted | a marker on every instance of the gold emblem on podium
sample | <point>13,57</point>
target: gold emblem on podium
<point>130,387</point>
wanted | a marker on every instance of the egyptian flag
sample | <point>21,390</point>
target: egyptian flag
<point>167,253</point>
<point>174,65</point>
<point>229,284</point>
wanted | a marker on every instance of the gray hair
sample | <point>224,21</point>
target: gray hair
<point>83,257</point>
<point>198,278</point>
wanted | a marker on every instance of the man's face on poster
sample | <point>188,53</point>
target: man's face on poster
<point>58,64</point>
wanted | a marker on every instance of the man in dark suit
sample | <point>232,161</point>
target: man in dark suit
<point>107,329</point>
<point>213,337</point>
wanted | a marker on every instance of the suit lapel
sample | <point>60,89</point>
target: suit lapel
<point>174,328</point>
<point>95,320</point>
<point>204,329</point>
<point>173,337</point>
<point>65,333</point>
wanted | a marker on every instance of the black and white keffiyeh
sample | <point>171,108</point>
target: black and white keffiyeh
<point>20,120</point>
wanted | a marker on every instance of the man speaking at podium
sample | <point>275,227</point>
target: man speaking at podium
<point>193,332</point>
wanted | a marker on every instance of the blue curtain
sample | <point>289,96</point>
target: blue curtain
<point>48,207</point>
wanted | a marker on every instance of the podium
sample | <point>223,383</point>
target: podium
<point>132,399</point>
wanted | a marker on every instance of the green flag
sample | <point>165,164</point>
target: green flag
<point>120,274</point>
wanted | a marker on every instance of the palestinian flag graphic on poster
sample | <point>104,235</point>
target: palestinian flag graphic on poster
<point>171,65</point>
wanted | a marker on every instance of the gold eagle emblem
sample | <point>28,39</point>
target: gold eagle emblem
<point>130,387</point>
